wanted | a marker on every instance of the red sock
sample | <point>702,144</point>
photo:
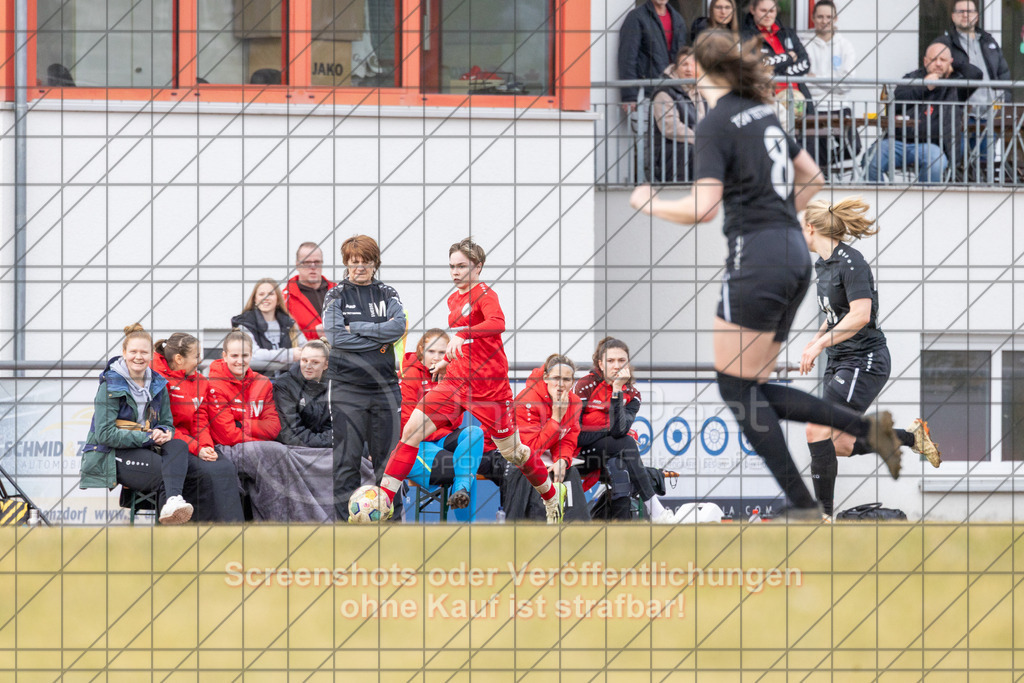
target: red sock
<point>535,472</point>
<point>399,464</point>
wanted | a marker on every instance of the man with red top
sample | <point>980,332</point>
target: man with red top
<point>475,371</point>
<point>649,40</point>
<point>780,46</point>
<point>304,295</point>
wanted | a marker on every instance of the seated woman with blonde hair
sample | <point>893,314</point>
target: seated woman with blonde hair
<point>131,439</point>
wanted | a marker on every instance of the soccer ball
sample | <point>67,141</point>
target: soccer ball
<point>369,504</point>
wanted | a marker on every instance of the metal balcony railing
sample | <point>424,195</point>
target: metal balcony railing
<point>864,136</point>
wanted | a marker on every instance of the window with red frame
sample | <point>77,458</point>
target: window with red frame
<point>496,47</point>
<point>131,44</point>
<point>104,43</point>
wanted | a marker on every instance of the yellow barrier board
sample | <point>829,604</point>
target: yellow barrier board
<point>730,602</point>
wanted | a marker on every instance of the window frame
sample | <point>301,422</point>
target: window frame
<point>571,66</point>
<point>994,343</point>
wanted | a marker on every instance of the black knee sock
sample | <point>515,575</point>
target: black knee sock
<point>793,404</point>
<point>861,447</point>
<point>824,467</point>
<point>760,424</point>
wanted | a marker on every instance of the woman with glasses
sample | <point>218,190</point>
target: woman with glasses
<point>305,293</point>
<point>363,319</point>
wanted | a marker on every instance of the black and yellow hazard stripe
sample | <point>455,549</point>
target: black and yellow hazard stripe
<point>13,511</point>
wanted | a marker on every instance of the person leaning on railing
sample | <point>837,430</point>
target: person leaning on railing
<point>932,129</point>
<point>131,439</point>
<point>676,110</point>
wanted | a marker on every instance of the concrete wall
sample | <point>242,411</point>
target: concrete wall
<point>168,215</point>
<point>947,267</point>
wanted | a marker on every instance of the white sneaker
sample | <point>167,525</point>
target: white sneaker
<point>175,511</point>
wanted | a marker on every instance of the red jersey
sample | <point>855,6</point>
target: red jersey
<point>598,395</point>
<point>306,316</point>
<point>188,405</point>
<point>416,382</point>
<point>241,410</point>
<point>538,429</point>
<point>476,316</point>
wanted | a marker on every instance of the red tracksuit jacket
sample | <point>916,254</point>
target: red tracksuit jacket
<point>538,429</point>
<point>416,382</point>
<point>478,318</point>
<point>188,405</point>
<point>241,410</point>
<point>299,308</point>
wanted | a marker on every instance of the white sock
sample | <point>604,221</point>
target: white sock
<point>654,507</point>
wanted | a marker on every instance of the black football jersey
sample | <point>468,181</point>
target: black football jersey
<point>844,277</point>
<point>741,143</point>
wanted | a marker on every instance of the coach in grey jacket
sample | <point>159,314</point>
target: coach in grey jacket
<point>363,318</point>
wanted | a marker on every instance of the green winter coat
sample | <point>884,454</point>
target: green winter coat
<point>114,401</point>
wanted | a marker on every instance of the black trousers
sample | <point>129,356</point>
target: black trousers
<point>145,470</point>
<point>212,488</point>
<point>361,420</point>
<point>627,476</point>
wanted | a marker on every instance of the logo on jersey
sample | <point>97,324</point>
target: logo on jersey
<point>379,309</point>
<point>257,407</point>
<point>197,401</point>
<point>465,310</point>
<point>840,380</point>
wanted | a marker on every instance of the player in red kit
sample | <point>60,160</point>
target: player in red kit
<point>475,371</point>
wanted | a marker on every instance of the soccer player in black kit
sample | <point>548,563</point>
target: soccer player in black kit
<point>746,163</point>
<point>858,357</point>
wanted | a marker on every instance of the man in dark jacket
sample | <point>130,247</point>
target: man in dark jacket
<point>649,39</point>
<point>971,44</point>
<point>933,127</point>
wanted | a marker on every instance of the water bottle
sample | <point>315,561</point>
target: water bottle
<point>499,517</point>
<point>33,517</point>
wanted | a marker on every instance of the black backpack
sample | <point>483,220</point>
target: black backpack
<point>872,511</point>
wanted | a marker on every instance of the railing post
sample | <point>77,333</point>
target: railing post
<point>642,108</point>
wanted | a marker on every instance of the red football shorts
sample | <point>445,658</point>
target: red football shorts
<point>445,404</point>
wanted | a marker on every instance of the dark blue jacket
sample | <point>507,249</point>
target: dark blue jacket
<point>643,50</point>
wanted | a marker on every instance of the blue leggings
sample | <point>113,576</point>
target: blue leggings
<point>469,450</point>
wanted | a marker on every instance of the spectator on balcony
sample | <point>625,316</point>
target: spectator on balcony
<point>831,56</point>
<point>932,129</point>
<point>721,14</point>
<point>969,43</point>
<point>676,110</point>
<point>266,319</point>
<point>834,137</point>
<point>780,46</point>
<point>305,293</point>
<point>650,37</point>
